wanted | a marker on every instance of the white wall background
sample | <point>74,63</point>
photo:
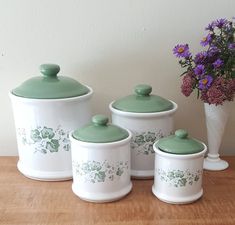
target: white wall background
<point>108,45</point>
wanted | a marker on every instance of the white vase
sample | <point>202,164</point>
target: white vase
<point>216,119</point>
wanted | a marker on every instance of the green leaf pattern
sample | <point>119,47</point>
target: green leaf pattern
<point>179,178</point>
<point>142,143</point>
<point>45,139</point>
<point>96,172</point>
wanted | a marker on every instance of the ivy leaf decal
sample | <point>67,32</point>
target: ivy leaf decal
<point>150,136</point>
<point>179,178</point>
<point>119,172</point>
<point>47,133</point>
<point>139,140</point>
<point>95,172</point>
<point>35,135</point>
<point>53,145</point>
<point>142,143</point>
<point>44,139</point>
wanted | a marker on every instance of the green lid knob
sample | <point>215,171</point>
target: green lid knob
<point>49,70</point>
<point>143,90</point>
<point>100,120</point>
<point>181,133</point>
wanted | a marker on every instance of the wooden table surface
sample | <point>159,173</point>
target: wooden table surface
<point>24,201</point>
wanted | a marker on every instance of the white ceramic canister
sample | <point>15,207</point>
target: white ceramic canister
<point>149,117</point>
<point>46,108</point>
<point>101,161</point>
<point>178,168</point>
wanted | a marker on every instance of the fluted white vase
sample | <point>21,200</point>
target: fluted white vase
<point>216,119</point>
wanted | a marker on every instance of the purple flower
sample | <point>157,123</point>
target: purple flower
<point>228,28</point>
<point>212,54</point>
<point>221,22</point>
<point>231,46</point>
<point>218,63</point>
<point>199,70</point>
<point>211,26</point>
<point>206,40</point>
<point>205,82</point>
<point>181,51</point>
<point>200,57</point>
<point>213,50</point>
<point>187,55</point>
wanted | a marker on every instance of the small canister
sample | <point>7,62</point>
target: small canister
<point>149,117</point>
<point>178,168</point>
<point>46,108</point>
<point>101,161</point>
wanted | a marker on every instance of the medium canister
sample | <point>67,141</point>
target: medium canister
<point>178,168</point>
<point>149,117</point>
<point>46,108</point>
<point>101,161</point>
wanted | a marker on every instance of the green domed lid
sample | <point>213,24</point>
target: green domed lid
<point>50,86</point>
<point>143,101</point>
<point>99,131</point>
<point>180,144</point>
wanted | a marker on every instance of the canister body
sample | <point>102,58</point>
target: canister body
<point>42,130</point>
<point>146,128</point>
<point>178,178</point>
<point>101,171</point>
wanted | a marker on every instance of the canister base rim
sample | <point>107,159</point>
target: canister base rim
<point>44,176</point>
<point>101,197</point>
<point>142,174</point>
<point>177,200</point>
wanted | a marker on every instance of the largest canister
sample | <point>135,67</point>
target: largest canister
<point>149,117</point>
<point>46,108</point>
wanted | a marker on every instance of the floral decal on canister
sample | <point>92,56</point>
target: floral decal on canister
<point>95,172</point>
<point>45,139</point>
<point>179,178</point>
<point>142,143</point>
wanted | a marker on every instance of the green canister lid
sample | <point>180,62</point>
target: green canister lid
<point>50,86</point>
<point>143,101</point>
<point>180,144</point>
<point>99,131</point>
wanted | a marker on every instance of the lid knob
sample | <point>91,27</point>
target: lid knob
<point>181,133</point>
<point>49,70</point>
<point>100,120</point>
<point>143,90</point>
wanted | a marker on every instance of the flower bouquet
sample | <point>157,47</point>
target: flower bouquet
<point>211,73</point>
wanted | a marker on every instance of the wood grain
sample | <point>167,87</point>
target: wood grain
<point>27,202</point>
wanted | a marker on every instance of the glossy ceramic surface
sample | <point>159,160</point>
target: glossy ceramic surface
<point>143,101</point>
<point>146,128</point>
<point>101,171</point>
<point>100,131</point>
<point>216,119</point>
<point>177,177</point>
<point>42,130</point>
<point>180,143</point>
<point>50,86</point>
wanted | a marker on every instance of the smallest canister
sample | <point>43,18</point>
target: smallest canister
<point>178,168</point>
<point>101,161</point>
